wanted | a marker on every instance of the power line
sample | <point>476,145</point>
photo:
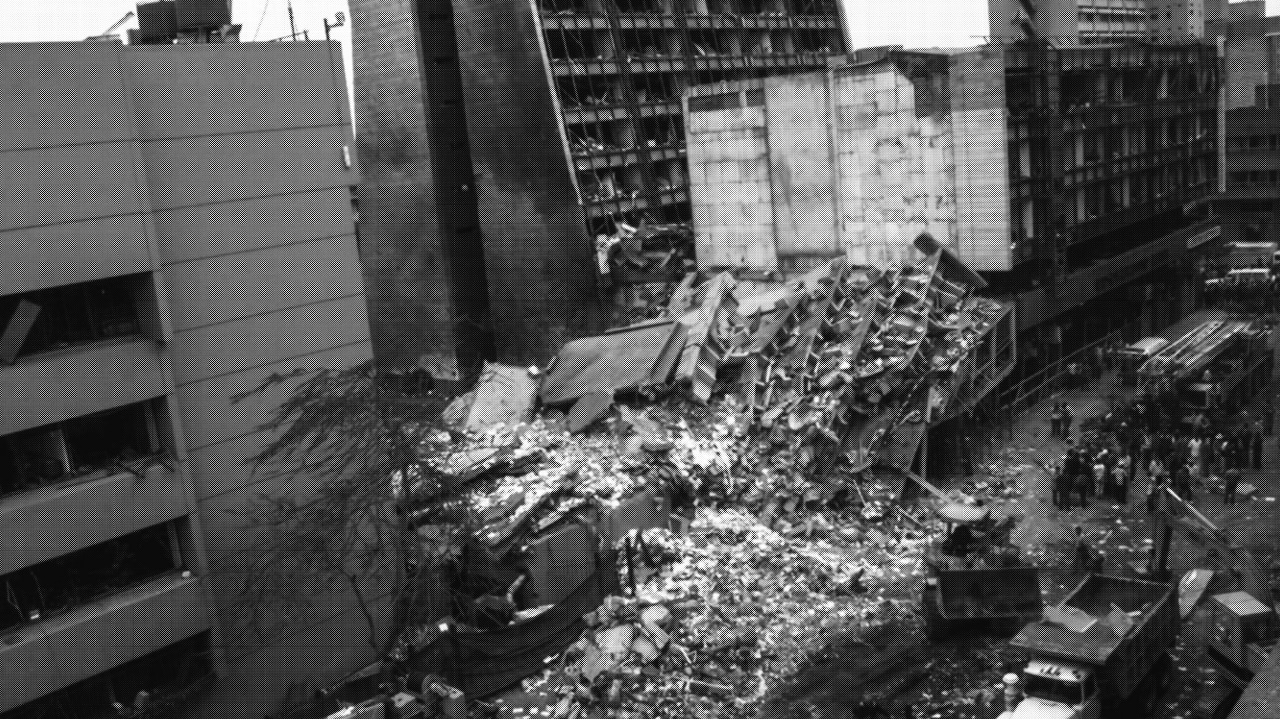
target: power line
<point>261,17</point>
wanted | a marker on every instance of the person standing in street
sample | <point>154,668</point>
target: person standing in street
<point>1155,470</point>
<point>1233,482</point>
<point>1182,482</point>
<point>1145,445</point>
<point>1268,417</point>
<point>1062,489</point>
<point>1223,450</point>
<point>1082,482</point>
<point>1120,481</point>
<point>1255,445</point>
<point>1194,455</point>
<point>1153,492</point>
<point>1055,420</point>
<point>1099,476</point>
<point>1081,559</point>
<point>1067,417</point>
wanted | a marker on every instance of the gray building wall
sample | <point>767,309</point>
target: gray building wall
<point>1252,48</point>
<point>539,258</point>
<point>219,173</point>
<point>419,236</point>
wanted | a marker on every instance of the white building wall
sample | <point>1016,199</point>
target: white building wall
<point>729,186</point>
<point>897,167</point>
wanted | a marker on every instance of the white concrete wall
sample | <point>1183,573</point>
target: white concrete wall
<point>897,168</point>
<point>729,187</point>
<point>981,159</point>
<point>800,168</point>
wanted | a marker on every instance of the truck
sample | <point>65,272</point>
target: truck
<point>1213,361</point>
<point>975,579</point>
<point>1102,652</point>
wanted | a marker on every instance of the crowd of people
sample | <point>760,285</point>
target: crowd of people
<point>1148,436</point>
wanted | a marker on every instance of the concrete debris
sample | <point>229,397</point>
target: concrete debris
<point>789,412</point>
<point>726,613</point>
<point>503,395</point>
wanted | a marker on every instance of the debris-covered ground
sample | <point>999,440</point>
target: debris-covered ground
<point>787,420</point>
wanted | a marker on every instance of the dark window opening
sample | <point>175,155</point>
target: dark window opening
<point>654,87</point>
<point>638,6</point>
<point>706,42</point>
<point>168,675</point>
<point>706,103</point>
<point>75,314</point>
<point>113,440</point>
<point>72,580</point>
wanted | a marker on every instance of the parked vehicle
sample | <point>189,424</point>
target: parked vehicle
<point>1103,652</point>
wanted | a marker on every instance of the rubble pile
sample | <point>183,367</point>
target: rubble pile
<point>730,610</point>
<point>649,250</point>
<point>787,392</point>
<point>792,412</point>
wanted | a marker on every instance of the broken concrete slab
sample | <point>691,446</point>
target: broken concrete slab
<point>504,395</point>
<point>628,358</point>
<point>588,409</point>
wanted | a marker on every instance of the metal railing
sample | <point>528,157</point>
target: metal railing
<point>1045,382</point>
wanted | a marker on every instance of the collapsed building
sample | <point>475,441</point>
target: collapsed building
<point>771,405</point>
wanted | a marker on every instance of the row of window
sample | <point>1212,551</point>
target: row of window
<point>693,7</point>
<point>105,441</point>
<point>1254,177</point>
<point>648,43</point>
<point>1253,142</point>
<point>72,580</point>
<point>165,674</point>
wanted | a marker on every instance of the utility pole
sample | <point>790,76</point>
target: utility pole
<point>293,31</point>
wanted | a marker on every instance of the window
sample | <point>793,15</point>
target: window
<point>1053,690</point>
<point>106,440</point>
<point>76,314</point>
<point>72,580</point>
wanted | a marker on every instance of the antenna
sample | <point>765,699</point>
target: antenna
<point>293,31</point>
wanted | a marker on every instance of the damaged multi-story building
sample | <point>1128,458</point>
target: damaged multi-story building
<point>500,139</point>
<point>176,225</point>
<point>1073,178</point>
<point>1071,22</point>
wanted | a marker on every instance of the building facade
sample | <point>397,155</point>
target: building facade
<point>1066,175</point>
<point>1251,44</point>
<point>1070,22</point>
<point>503,137</point>
<point>176,226</point>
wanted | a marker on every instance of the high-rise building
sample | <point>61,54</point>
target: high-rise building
<point>176,225</point>
<point>1250,206</point>
<point>1071,177</point>
<point>500,138</point>
<point>1070,22</point>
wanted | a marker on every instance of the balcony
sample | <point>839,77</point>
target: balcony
<point>80,380</point>
<point>55,520</point>
<point>61,650</point>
